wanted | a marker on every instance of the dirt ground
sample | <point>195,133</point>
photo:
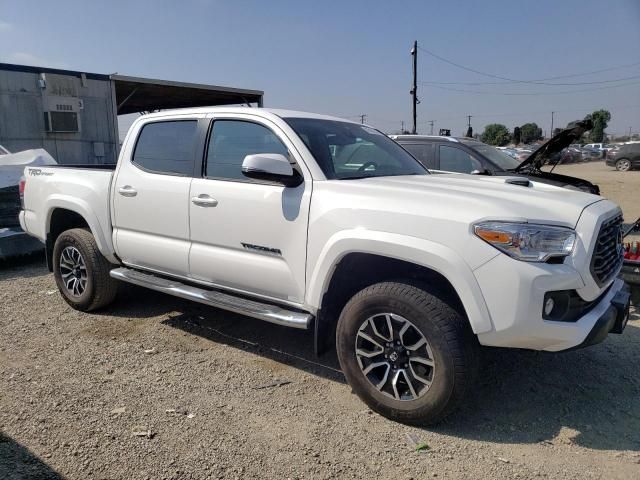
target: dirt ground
<point>621,187</point>
<point>159,388</point>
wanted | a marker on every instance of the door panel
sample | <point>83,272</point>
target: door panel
<point>252,236</point>
<point>151,197</point>
<point>152,227</point>
<point>253,240</point>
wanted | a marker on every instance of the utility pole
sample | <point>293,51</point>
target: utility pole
<point>469,130</point>
<point>431,125</point>
<point>629,133</point>
<point>401,126</point>
<point>414,90</point>
<point>362,117</point>
<point>551,134</point>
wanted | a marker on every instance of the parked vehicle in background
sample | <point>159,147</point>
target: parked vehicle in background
<point>565,156</point>
<point>512,152</point>
<point>467,155</point>
<point>625,158</point>
<point>319,223</point>
<point>595,146</point>
<point>13,240</point>
<point>590,154</point>
<point>4,151</point>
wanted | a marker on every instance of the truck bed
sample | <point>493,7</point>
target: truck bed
<point>84,189</point>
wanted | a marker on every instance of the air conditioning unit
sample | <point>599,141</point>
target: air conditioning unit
<point>62,114</point>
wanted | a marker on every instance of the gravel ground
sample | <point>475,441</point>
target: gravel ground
<point>621,187</point>
<point>155,387</point>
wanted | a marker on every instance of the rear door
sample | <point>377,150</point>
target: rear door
<point>423,151</point>
<point>248,235</point>
<point>457,160</point>
<point>151,195</point>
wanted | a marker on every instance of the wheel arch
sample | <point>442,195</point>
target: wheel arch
<point>425,262</point>
<point>61,216</point>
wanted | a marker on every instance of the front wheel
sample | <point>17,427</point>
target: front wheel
<point>81,271</point>
<point>406,352</point>
<point>623,165</point>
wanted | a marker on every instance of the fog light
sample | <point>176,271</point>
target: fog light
<point>548,306</point>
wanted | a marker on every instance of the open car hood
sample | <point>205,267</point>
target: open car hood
<point>559,142</point>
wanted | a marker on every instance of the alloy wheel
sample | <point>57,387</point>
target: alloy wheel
<point>623,165</point>
<point>73,271</point>
<point>395,356</point>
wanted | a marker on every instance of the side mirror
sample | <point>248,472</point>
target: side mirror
<point>272,167</point>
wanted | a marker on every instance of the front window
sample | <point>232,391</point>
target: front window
<point>495,156</point>
<point>346,150</point>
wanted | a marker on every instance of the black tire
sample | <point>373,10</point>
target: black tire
<point>452,343</point>
<point>623,165</point>
<point>100,289</point>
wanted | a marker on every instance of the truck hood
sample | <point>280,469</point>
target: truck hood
<point>562,140</point>
<point>469,198</point>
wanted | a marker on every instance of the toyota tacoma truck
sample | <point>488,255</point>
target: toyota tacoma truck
<point>314,222</point>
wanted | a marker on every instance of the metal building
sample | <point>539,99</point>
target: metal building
<point>73,115</point>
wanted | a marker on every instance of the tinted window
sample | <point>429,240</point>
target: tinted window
<point>454,159</point>
<point>232,140</point>
<point>167,147</point>
<point>422,151</point>
<point>348,150</point>
<point>498,157</point>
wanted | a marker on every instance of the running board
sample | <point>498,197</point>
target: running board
<point>262,311</point>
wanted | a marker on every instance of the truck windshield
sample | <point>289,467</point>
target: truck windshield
<point>346,150</point>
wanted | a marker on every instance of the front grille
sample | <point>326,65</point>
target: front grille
<point>608,252</point>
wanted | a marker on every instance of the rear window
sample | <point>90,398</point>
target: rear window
<point>167,147</point>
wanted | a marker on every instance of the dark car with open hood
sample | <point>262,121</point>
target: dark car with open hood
<point>467,155</point>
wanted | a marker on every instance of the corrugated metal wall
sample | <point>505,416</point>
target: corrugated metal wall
<point>22,124</point>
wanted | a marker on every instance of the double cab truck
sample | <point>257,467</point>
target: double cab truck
<point>315,222</point>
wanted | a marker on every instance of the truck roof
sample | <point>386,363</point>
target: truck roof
<point>261,111</point>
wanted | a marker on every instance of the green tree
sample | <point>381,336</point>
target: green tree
<point>530,132</point>
<point>556,131</point>
<point>517,135</point>
<point>600,120</point>
<point>496,134</point>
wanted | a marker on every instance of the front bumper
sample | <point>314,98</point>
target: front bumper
<point>613,320</point>
<point>514,293</point>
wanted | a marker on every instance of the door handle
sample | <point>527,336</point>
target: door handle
<point>204,201</point>
<point>127,191</point>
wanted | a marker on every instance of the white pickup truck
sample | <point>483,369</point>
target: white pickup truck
<point>316,222</point>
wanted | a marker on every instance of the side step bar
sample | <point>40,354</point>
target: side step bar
<point>262,311</point>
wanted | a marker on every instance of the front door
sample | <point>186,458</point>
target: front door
<point>248,235</point>
<point>151,196</point>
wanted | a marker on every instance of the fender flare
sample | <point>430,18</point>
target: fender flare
<point>82,208</point>
<point>425,253</point>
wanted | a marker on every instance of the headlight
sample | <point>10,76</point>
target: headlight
<point>527,242</point>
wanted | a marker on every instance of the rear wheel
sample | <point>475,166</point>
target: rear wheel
<point>81,271</point>
<point>623,165</point>
<point>406,352</point>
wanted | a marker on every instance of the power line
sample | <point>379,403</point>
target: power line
<point>633,77</point>
<point>564,92</point>
<point>513,80</point>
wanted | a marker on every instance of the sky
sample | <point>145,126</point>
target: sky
<point>349,58</point>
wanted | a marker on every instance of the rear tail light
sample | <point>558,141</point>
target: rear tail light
<point>22,185</point>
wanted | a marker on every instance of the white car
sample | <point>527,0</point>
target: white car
<point>320,223</point>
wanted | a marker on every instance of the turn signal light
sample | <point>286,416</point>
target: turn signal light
<point>493,236</point>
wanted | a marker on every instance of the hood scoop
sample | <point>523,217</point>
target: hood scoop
<point>522,181</point>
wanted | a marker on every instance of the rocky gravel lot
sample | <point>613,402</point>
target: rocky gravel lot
<point>155,387</point>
